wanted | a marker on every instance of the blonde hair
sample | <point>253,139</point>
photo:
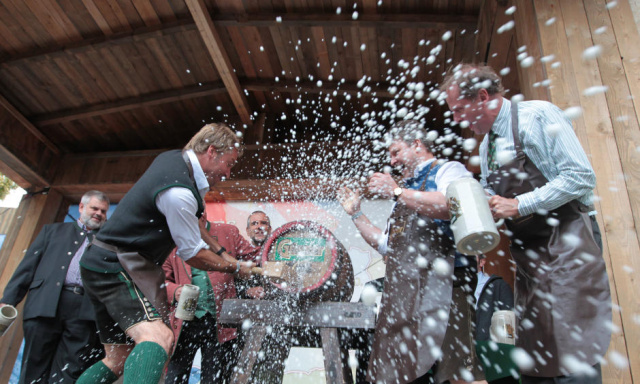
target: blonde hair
<point>218,135</point>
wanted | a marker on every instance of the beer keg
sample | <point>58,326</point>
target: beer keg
<point>315,265</point>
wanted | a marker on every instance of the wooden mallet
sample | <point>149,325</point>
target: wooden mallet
<point>272,269</point>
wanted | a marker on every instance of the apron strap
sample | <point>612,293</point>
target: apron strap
<point>514,131</point>
<point>424,183</point>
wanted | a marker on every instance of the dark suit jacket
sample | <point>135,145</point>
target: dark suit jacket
<point>42,272</point>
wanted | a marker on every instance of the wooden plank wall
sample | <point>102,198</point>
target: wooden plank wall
<point>6,219</point>
<point>635,7</point>
<point>608,130</point>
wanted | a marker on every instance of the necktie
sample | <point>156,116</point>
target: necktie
<point>492,162</point>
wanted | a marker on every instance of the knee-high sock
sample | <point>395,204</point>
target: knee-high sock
<point>97,373</point>
<point>145,364</point>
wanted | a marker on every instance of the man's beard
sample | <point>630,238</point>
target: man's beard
<point>258,242</point>
<point>91,224</point>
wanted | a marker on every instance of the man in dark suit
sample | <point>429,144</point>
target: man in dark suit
<point>59,326</point>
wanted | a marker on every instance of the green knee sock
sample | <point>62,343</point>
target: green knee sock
<point>97,373</point>
<point>145,364</point>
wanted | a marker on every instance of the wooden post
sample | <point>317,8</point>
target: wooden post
<point>33,213</point>
<point>249,355</point>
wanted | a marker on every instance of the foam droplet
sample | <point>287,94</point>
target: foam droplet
<point>573,113</point>
<point>592,52</point>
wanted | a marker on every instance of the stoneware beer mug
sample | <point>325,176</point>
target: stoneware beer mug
<point>474,230</point>
<point>503,327</point>
<point>187,302</point>
<point>8,314</point>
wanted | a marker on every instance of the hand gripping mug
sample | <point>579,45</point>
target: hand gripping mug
<point>188,302</point>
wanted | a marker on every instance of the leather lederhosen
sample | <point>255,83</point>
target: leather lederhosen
<point>416,302</point>
<point>146,275</point>
<point>562,292</point>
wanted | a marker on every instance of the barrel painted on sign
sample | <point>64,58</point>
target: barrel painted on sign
<point>316,266</point>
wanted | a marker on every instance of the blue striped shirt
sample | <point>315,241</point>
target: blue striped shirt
<point>548,139</point>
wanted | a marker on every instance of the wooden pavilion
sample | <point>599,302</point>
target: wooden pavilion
<point>91,91</point>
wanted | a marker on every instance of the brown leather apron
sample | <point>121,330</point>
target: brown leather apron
<point>562,292</point>
<point>415,302</point>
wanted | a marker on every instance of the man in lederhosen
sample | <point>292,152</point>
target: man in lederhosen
<point>121,269</point>
<point>540,178</point>
<point>427,310</point>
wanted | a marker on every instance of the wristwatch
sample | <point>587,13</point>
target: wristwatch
<point>396,193</point>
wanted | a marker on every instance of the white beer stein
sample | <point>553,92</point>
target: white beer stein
<point>503,327</point>
<point>188,301</point>
<point>474,230</point>
<point>8,314</point>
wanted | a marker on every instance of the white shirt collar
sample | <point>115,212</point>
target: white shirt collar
<point>198,174</point>
<point>83,226</point>
<point>503,121</point>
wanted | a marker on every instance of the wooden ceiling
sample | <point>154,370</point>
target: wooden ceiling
<point>125,76</point>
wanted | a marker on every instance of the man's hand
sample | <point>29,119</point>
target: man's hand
<point>349,199</point>
<point>245,269</point>
<point>382,184</point>
<point>503,208</point>
<point>177,293</point>
<point>255,292</point>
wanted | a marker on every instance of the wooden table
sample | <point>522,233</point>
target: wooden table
<point>328,318</point>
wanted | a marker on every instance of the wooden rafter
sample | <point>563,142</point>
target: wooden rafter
<point>220,58</point>
<point>346,20</point>
<point>18,140</point>
<point>116,172</point>
<point>140,34</point>
<point>7,106</point>
<point>282,189</point>
<point>379,90</point>
<point>351,88</point>
<point>451,22</point>
<point>131,103</point>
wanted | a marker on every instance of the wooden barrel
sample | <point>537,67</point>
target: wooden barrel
<point>316,266</point>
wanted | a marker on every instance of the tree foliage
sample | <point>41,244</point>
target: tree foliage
<point>6,185</point>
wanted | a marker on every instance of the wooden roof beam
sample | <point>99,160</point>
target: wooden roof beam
<point>430,21</point>
<point>234,190</point>
<point>290,86</point>
<point>220,58</point>
<point>379,90</point>
<point>116,172</point>
<point>26,156</point>
<point>468,22</point>
<point>282,189</point>
<point>139,34</point>
<point>130,103</point>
